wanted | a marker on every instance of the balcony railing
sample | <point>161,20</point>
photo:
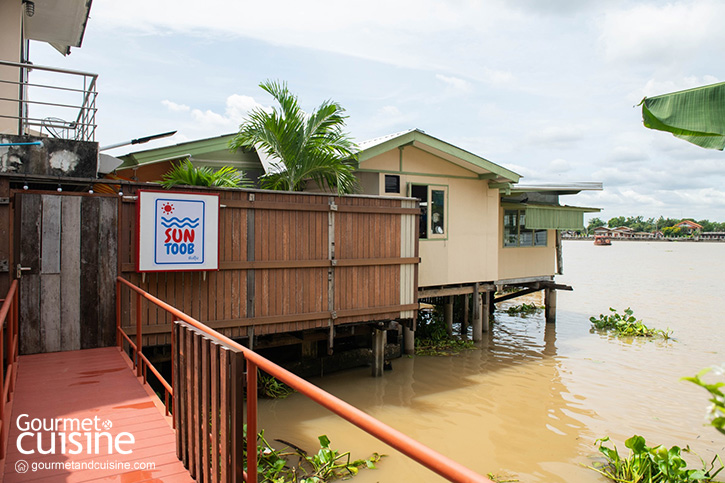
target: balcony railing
<point>47,101</point>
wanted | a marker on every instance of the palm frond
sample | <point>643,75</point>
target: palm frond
<point>309,147</point>
<point>186,174</point>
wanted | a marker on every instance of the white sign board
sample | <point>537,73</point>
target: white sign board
<point>177,231</point>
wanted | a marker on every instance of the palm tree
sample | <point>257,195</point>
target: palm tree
<point>303,147</point>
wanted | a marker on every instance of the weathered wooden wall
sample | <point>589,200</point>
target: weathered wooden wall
<point>67,246</point>
<point>288,262</point>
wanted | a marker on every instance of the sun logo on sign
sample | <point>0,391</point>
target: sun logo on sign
<point>167,208</point>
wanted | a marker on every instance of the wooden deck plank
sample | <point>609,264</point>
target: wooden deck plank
<point>94,383</point>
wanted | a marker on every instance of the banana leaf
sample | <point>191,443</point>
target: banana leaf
<point>695,115</point>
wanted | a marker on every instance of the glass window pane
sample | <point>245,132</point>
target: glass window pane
<point>438,210</point>
<point>421,192</point>
<point>392,183</point>
<point>526,238</point>
<point>540,238</point>
<point>510,228</point>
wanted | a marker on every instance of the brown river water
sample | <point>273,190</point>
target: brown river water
<point>530,403</point>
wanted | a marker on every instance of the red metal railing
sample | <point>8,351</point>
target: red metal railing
<point>8,353</point>
<point>424,455</point>
<point>140,362</point>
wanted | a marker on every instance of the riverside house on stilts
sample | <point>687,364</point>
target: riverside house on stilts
<point>478,229</point>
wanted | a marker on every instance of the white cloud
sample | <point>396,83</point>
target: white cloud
<point>627,154</point>
<point>496,77</point>
<point>386,120</point>
<point>455,84</point>
<point>556,135</point>
<point>559,166</point>
<point>663,33</point>
<point>239,106</point>
<point>210,119</point>
<point>656,87</point>
<point>198,123</point>
<point>174,107</point>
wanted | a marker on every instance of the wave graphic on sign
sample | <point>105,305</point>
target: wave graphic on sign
<point>179,223</point>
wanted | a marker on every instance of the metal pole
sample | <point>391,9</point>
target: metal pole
<point>251,421</point>
<point>139,336</point>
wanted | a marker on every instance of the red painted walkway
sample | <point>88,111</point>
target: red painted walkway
<point>95,388</point>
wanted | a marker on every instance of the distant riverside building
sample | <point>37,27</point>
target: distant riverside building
<point>689,227</point>
<point>622,232</point>
<point>713,235</point>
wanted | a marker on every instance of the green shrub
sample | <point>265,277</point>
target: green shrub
<point>186,174</point>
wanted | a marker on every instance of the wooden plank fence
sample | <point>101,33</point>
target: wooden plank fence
<point>287,262</point>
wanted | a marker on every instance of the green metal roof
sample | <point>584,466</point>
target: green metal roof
<point>206,151</point>
<point>415,137</point>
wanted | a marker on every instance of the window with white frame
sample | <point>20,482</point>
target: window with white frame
<point>433,223</point>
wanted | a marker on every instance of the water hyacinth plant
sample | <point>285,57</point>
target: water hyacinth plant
<point>294,465</point>
<point>626,324</point>
<point>523,309</point>
<point>272,388</point>
<point>657,464</point>
<point>716,411</point>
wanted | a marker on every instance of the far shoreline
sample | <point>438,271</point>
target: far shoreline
<point>623,239</point>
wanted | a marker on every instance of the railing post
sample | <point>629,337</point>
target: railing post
<point>139,335</point>
<point>119,341</point>
<point>251,421</point>
<point>16,331</point>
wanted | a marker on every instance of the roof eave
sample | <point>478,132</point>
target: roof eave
<point>443,150</point>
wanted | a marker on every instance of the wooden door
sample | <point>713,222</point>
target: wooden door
<point>66,249</point>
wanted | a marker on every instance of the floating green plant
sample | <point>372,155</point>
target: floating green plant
<point>626,324</point>
<point>523,309</point>
<point>657,464</point>
<point>292,464</point>
<point>272,388</point>
<point>442,347</point>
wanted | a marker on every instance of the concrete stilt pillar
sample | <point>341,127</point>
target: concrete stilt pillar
<point>379,336</point>
<point>550,305</point>
<point>486,314</point>
<point>408,340</point>
<point>448,315</point>
<point>477,315</point>
<point>550,339</point>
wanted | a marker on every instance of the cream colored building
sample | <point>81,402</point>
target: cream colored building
<point>477,226</point>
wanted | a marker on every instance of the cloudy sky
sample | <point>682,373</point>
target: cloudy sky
<point>545,88</point>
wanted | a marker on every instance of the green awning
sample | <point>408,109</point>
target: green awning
<point>695,115</point>
<point>549,217</point>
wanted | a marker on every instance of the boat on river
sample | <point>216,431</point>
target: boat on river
<point>602,240</point>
